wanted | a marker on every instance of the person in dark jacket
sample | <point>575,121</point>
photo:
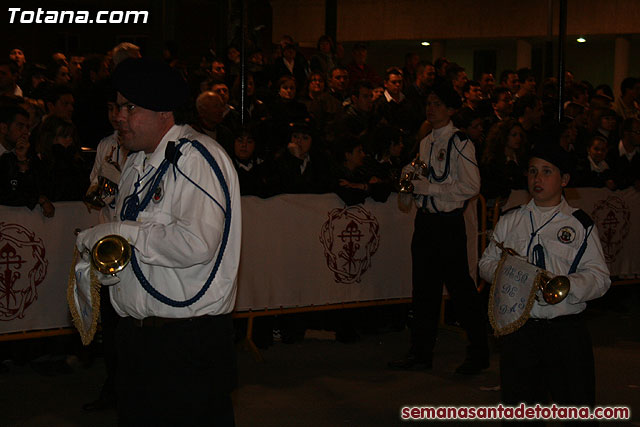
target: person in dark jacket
<point>593,170</point>
<point>302,168</point>
<point>356,177</point>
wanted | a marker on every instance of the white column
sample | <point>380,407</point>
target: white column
<point>523,54</point>
<point>620,64</point>
<point>437,50</point>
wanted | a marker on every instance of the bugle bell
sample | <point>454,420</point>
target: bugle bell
<point>553,289</point>
<point>111,254</point>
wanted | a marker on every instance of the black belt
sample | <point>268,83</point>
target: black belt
<point>559,319</point>
<point>159,322</point>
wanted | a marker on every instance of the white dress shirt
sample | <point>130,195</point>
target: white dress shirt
<point>463,180</point>
<point>178,236</point>
<point>561,240</point>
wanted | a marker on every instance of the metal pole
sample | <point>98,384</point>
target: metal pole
<point>243,59</point>
<point>562,36</point>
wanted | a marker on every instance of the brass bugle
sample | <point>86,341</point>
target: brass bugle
<point>553,289</point>
<point>111,254</point>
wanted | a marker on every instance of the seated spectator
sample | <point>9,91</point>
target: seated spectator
<point>472,94</point>
<point>21,179</point>
<point>34,77</point>
<point>359,69</point>
<point>416,92</point>
<point>302,168</point>
<point>410,69</point>
<point>8,78</point>
<point>626,105</point>
<point>527,82</point>
<point>211,108</point>
<point>487,84</point>
<point>328,106</point>
<point>593,170</point>
<point>600,101</point>
<point>358,117</point>
<point>324,59</point>
<point>604,122</point>
<point>604,90</point>
<point>472,124</point>
<point>509,80</point>
<point>284,110</point>
<point>315,87</point>
<point>251,169</point>
<point>624,157</point>
<point>393,108</point>
<point>355,179</point>
<point>578,94</point>
<point>230,117</point>
<point>254,108</point>
<point>389,153</point>
<point>457,77</point>
<point>291,64</point>
<point>502,105</point>
<point>58,73</point>
<point>577,114</point>
<point>14,125</point>
<point>527,109</point>
<point>67,173</point>
<point>502,165</point>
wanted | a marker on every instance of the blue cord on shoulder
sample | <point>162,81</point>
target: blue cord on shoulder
<point>225,234</point>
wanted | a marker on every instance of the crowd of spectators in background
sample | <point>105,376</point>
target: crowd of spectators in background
<point>315,124</point>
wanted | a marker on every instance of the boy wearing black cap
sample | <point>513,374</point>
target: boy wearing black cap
<point>551,353</point>
<point>439,244</point>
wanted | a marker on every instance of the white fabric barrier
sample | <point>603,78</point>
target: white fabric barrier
<point>616,214</point>
<point>297,250</point>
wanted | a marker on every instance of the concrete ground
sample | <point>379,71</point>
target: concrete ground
<point>326,383</point>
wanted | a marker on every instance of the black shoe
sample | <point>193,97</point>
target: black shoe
<point>101,404</point>
<point>411,362</point>
<point>472,366</point>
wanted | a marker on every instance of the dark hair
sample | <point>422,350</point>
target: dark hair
<point>597,137</point>
<point>573,110</point>
<point>497,140</point>
<point>500,90</point>
<point>54,93</point>
<point>395,71</point>
<point>346,144</point>
<point>337,67</point>
<point>51,128</point>
<point>524,74</point>
<point>91,63</point>
<point>355,90</point>
<point>577,89</point>
<point>8,114</point>
<point>283,79</point>
<point>463,118</point>
<point>440,62</point>
<point>522,103</point>
<point>504,76</point>
<point>468,84</point>
<point>606,89</point>
<point>627,125</point>
<point>628,84</point>
<point>326,38</point>
<point>452,71</point>
<point>13,67</point>
<point>447,95</point>
<point>359,46</point>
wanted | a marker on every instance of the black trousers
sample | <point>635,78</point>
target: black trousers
<point>109,322</point>
<point>176,374</point>
<point>548,361</point>
<point>439,256</point>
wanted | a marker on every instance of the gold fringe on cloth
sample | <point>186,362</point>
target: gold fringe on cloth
<point>527,311</point>
<point>86,334</point>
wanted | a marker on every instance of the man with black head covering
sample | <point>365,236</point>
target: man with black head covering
<point>439,244</point>
<point>179,207</point>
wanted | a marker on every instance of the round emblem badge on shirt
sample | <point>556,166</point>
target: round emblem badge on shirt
<point>441,154</point>
<point>566,235</point>
<point>158,194</point>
